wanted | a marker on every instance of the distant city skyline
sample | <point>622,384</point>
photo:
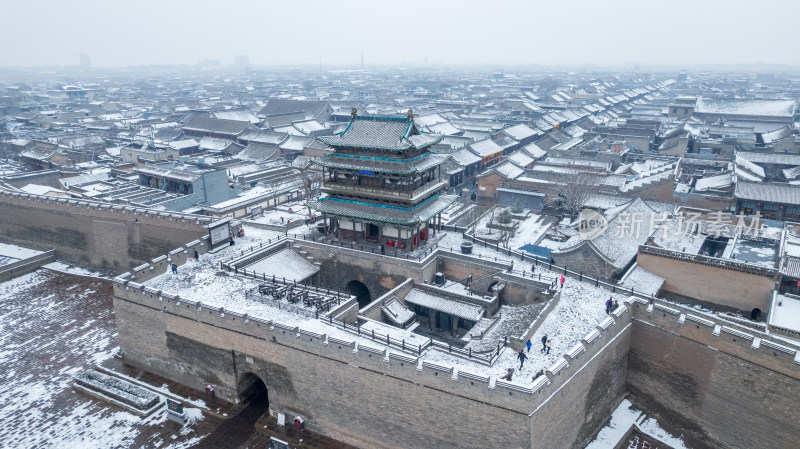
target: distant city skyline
<point>505,33</point>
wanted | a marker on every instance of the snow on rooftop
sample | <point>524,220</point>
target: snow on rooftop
<point>787,314</point>
<point>673,235</point>
<point>774,108</point>
<point>246,196</point>
<point>642,281</point>
<point>17,252</point>
<point>530,231</point>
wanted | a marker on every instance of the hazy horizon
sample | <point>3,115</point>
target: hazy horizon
<point>680,33</point>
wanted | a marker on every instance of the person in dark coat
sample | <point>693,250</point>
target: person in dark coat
<point>544,343</point>
<point>231,243</point>
<point>521,356</point>
<point>539,374</point>
<point>174,269</point>
<point>196,256</point>
<point>528,344</point>
<point>609,302</point>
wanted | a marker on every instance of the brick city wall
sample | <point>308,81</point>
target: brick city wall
<point>93,234</point>
<point>721,385</point>
<point>722,286</point>
<point>379,273</point>
<point>360,392</point>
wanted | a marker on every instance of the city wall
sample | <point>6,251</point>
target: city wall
<point>379,273</point>
<point>721,385</point>
<point>92,234</point>
<point>363,393</point>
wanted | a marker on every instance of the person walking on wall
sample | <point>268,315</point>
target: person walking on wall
<point>544,343</point>
<point>528,344</point>
<point>521,356</point>
<point>609,302</point>
<point>174,269</point>
<point>562,281</point>
<point>549,344</point>
<point>196,256</point>
<point>231,243</point>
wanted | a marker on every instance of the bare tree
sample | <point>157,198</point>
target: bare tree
<point>312,180</point>
<point>572,190</point>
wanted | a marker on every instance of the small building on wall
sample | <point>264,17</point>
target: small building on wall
<point>382,183</point>
<point>524,198</point>
<point>207,185</point>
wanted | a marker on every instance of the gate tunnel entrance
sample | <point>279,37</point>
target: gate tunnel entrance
<point>253,391</point>
<point>360,291</point>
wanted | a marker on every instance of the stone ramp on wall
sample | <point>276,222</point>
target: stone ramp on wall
<point>285,264</point>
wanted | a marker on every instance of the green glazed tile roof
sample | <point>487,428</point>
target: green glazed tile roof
<point>379,213</point>
<point>381,133</point>
<point>382,165</point>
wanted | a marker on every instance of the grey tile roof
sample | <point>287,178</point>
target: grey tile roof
<point>460,309</point>
<point>263,137</point>
<point>770,158</point>
<point>278,106</point>
<point>465,157</point>
<point>485,148</point>
<point>768,193</point>
<point>215,125</point>
<point>259,152</point>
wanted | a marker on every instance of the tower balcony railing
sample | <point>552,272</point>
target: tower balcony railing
<point>387,192</point>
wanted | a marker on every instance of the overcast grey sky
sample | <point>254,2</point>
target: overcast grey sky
<point>496,32</point>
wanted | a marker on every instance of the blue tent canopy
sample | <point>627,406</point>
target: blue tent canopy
<point>540,252</point>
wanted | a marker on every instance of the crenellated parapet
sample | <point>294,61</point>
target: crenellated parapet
<point>424,370</point>
<point>101,209</point>
<point>746,343</point>
<point>161,264</point>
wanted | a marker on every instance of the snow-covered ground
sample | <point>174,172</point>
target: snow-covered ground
<point>284,214</point>
<point>52,327</point>
<point>71,269</point>
<point>625,416</point>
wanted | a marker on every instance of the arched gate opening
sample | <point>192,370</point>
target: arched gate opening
<point>360,291</point>
<point>252,390</point>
